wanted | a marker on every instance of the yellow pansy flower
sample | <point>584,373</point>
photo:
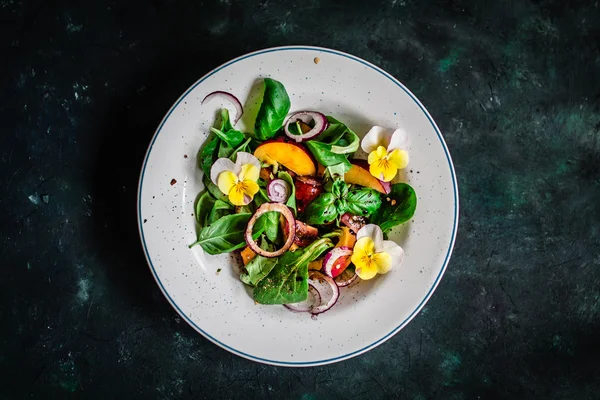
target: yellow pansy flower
<point>237,180</point>
<point>372,255</point>
<point>385,150</point>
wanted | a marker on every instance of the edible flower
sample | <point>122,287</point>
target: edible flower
<point>237,180</point>
<point>372,255</point>
<point>385,150</point>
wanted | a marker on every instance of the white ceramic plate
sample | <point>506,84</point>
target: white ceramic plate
<point>216,303</point>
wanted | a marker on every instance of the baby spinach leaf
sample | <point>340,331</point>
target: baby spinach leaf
<point>226,234</point>
<point>288,281</point>
<point>225,150</point>
<point>341,138</point>
<point>323,154</point>
<point>208,154</point>
<point>233,138</point>
<point>273,110</point>
<point>226,133</point>
<point>261,197</point>
<point>213,189</point>
<point>204,205</point>
<point>400,208</point>
<point>363,201</point>
<point>291,201</point>
<point>334,144</point>
<point>321,210</point>
<point>220,209</point>
<point>242,147</point>
<point>257,269</point>
<point>225,121</point>
<point>270,220</point>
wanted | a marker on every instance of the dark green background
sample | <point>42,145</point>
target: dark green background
<point>513,85</point>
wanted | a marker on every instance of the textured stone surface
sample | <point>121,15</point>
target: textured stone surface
<point>514,87</point>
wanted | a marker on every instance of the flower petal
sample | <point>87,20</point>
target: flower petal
<point>366,271</point>
<point>371,231</point>
<point>398,158</point>
<point>250,188</point>
<point>383,170</point>
<point>226,181</point>
<point>399,140</point>
<point>376,137</point>
<point>362,250</point>
<point>249,173</point>
<point>376,155</point>
<point>221,165</point>
<point>237,196</point>
<point>246,158</point>
<point>383,262</point>
<point>395,251</point>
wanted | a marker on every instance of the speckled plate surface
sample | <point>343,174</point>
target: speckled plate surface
<point>205,290</point>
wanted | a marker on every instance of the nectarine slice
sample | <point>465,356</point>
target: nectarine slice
<point>361,176</point>
<point>292,156</point>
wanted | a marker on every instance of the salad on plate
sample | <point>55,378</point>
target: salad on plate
<point>306,216</point>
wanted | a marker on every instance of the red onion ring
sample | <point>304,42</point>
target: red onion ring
<point>306,117</point>
<point>289,217</point>
<point>320,282</point>
<point>239,110</point>
<point>332,258</point>
<point>278,190</point>
<point>308,304</point>
<point>346,278</point>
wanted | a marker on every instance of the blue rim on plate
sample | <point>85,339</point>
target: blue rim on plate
<point>375,343</point>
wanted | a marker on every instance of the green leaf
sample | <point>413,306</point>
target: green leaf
<point>226,234</point>
<point>257,269</point>
<point>270,220</point>
<point>242,147</point>
<point>244,209</point>
<point>225,121</point>
<point>288,281</point>
<point>333,145</point>
<point>400,208</point>
<point>273,110</point>
<point>291,201</point>
<point>233,138</point>
<point>227,134</point>
<point>220,209</point>
<point>204,205</point>
<point>225,150</point>
<point>363,201</point>
<point>213,189</point>
<point>321,210</point>
<point>340,189</point>
<point>261,197</point>
<point>336,171</point>
<point>208,154</point>
<point>341,138</point>
<point>322,152</point>
<point>341,206</point>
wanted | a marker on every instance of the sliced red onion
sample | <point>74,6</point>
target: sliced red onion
<point>346,278</point>
<point>327,289</point>
<point>313,300</point>
<point>291,223</point>
<point>279,190</point>
<point>320,125</point>
<point>239,110</point>
<point>336,261</point>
